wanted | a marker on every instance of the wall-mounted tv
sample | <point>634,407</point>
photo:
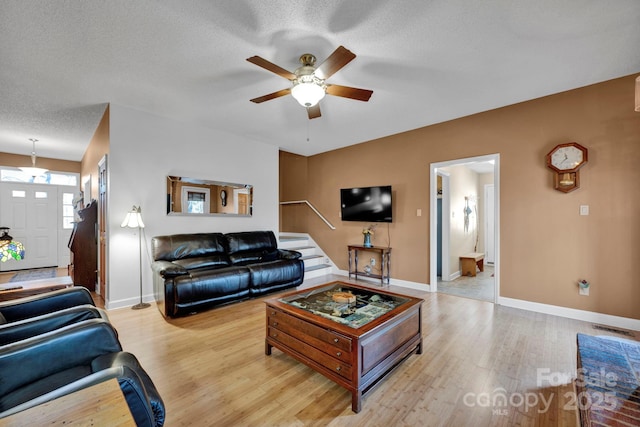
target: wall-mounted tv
<point>367,204</point>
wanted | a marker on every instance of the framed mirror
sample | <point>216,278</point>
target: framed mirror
<point>192,196</point>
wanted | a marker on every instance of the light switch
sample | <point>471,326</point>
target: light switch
<point>419,212</point>
<point>584,209</point>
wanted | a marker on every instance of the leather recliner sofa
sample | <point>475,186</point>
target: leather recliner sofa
<point>192,272</point>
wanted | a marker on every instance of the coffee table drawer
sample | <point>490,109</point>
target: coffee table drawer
<point>305,330</point>
<point>334,365</point>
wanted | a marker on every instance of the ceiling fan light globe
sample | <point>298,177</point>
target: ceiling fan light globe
<point>308,94</point>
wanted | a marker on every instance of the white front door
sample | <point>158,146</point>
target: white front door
<point>31,212</point>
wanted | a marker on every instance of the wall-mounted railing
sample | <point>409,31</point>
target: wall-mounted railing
<point>306,202</point>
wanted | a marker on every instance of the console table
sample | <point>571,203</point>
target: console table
<point>385,261</point>
<point>14,290</point>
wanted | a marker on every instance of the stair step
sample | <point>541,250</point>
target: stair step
<point>291,238</point>
<point>317,267</point>
<point>317,271</point>
<point>312,259</point>
<point>301,248</point>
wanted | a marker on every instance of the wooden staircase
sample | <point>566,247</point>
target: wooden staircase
<point>316,262</point>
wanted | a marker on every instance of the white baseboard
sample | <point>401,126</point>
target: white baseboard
<point>129,302</point>
<point>392,281</point>
<point>572,313</point>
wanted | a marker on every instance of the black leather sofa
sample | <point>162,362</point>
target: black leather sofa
<point>192,272</point>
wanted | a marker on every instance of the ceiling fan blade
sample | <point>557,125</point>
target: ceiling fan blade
<point>349,92</point>
<point>338,59</point>
<point>270,66</point>
<point>314,112</point>
<point>271,96</point>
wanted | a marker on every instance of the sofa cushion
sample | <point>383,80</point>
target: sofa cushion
<point>213,261</point>
<point>272,275</point>
<point>205,285</point>
<point>181,246</point>
<point>251,241</point>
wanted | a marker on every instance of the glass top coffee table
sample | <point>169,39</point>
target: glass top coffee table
<point>354,335</point>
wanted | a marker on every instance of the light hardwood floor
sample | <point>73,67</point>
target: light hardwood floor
<point>210,369</point>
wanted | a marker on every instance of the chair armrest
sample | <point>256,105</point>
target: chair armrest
<point>287,254</point>
<point>27,328</point>
<point>47,302</point>
<point>145,403</point>
<point>27,361</point>
<point>168,269</point>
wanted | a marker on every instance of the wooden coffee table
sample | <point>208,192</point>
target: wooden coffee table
<point>13,290</point>
<point>353,344</point>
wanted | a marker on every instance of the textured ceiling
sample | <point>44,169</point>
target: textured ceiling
<point>426,61</point>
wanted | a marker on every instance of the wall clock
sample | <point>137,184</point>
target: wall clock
<point>566,160</point>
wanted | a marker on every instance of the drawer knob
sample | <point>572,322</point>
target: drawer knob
<point>275,323</point>
<point>273,313</point>
<point>274,335</point>
<point>338,368</point>
<point>339,354</point>
<point>336,340</point>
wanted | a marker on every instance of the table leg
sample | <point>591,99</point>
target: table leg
<point>350,263</point>
<point>356,401</point>
<point>355,270</point>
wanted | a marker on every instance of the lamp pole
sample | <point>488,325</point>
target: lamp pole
<point>140,304</point>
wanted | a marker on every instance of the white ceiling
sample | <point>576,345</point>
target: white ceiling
<point>426,61</point>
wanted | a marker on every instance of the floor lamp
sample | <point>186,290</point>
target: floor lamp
<point>134,220</point>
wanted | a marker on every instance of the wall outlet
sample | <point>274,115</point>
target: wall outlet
<point>584,291</point>
<point>373,261</point>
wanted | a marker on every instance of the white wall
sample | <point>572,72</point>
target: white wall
<point>144,149</point>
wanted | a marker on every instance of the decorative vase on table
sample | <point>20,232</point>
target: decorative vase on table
<point>367,240</point>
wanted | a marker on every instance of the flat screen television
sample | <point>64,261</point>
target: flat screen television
<point>366,204</point>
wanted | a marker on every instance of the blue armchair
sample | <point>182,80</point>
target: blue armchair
<point>50,365</point>
<point>36,305</point>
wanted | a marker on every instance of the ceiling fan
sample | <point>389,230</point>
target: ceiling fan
<point>309,82</point>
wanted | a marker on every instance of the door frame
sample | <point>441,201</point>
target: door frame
<point>103,244</point>
<point>433,247</point>
<point>446,226</point>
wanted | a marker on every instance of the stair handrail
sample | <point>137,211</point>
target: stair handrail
<point>294,202</point>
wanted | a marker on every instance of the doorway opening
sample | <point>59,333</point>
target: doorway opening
<point>464,200</point>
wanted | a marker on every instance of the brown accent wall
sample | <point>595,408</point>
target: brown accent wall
<point>546,246</point>
<point>17,160</point>
<point>98,147</point>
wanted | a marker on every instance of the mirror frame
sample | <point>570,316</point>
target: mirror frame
<point>225,199</point>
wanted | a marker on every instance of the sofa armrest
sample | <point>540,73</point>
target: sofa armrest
<point>168,269</point>
<point>287,254</point>
<point>47,302</point>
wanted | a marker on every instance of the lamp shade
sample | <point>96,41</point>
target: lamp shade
<point>9,248</point>
<point>34,172</point>
<point>133,219</point>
